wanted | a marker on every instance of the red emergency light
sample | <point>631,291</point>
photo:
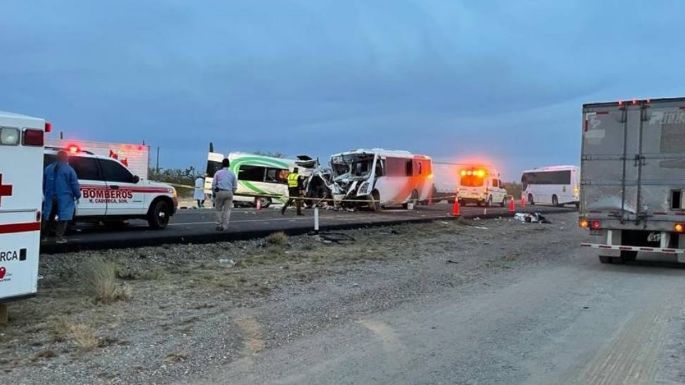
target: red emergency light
<point>48,126</point>
<point>73,149</point>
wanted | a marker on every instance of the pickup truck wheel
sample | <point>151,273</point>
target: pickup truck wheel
<point>158,217</point>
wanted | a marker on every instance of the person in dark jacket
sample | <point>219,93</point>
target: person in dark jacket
<point>61,190</point>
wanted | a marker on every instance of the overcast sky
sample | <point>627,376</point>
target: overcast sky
<point>497,80</point>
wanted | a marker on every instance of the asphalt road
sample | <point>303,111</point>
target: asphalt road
<point>575,322</point>
<point>198,226</point>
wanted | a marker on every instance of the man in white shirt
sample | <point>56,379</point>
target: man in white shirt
<point>224,185</point>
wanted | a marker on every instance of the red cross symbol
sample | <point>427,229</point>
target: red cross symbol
<point>5,190</point>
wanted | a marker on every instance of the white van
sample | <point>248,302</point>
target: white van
<point>481,185</point>
<point>257,175</point>
<point>379,178</point>
<point>553,185</point>
<point>112,194</point>
<point>21,180</point>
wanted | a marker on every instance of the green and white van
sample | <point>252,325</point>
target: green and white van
<point>257,175</point>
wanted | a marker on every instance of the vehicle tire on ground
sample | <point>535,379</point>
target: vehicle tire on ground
<point>488,202</point>
<point>531,201</point>
<point>605,259</point>
<point>555,201</point>
<point>504,202</point>
<point>414,199</point>
<point>628,255</point>
<point>375,201</point>
<point>159,214</point>
<point>264,202</point>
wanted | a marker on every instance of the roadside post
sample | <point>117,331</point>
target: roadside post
<point>316,219</point>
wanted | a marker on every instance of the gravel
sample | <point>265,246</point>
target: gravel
<point>197,307</point>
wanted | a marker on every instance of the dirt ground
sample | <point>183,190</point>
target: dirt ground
<point>183,309</point>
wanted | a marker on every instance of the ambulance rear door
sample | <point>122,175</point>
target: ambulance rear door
<point>21,180</point>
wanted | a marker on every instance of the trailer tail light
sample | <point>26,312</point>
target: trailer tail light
<point>33,137</point>
<point>679,228</point>
<point>583,223</point>
<point>595,225</point>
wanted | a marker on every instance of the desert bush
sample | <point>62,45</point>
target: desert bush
<point>278,239</point>
<point>99,278</point>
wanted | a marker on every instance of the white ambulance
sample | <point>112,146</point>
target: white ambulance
<point>112,194</point>
<point>21,179</point>
<point>481,185</point>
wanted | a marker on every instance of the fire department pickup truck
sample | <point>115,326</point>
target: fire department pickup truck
<point>21,177</point>
<point>110,193</point>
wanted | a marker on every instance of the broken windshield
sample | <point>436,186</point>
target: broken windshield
<point>354,165</point>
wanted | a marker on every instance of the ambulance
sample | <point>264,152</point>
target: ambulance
<point>111,193</point>
<point>481,185</point>
<point>21,179</point>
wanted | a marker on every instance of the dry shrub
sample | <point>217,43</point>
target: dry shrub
<point>99,278</point>
<point>83,336</point>
<point>278,239</point>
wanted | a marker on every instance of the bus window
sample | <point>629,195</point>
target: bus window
<point>251,173</point>
<point>409,171</point>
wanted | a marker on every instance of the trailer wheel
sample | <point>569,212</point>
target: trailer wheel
<point>628,255</point>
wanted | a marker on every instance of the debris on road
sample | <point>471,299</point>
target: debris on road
<point>531,218</point>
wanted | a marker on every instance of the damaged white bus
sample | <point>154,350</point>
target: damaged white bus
<point>378,178</point>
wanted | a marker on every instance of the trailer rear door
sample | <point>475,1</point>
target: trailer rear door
<point>633,154</point>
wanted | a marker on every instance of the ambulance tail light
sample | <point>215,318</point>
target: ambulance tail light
<point>33,137</point>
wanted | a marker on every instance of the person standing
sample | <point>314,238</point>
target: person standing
<point>294,192</point>
<point>199,191</point>
<point>224,185</point>
<point>61,190</point>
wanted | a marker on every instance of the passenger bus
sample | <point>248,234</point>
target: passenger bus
<point>379,178</point>
<point>481,184</point>
<point>553,185</point>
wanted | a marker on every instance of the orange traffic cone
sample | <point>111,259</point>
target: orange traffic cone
<point>512,205</point>
<point>523,202</point>
<point>455,208</point>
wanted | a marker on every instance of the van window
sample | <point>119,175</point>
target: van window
<point>86,168</point>
<point>114,172</point>
<point>275,175</point>
<point>251,173</point>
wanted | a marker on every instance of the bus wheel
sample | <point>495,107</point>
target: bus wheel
<point>555,201</point>
<point>375,201</point>
<point>531,201</point>
<point>158,216</point>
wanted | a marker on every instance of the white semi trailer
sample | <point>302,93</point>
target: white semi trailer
<point>633,178</point>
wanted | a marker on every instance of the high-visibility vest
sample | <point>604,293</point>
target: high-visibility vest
<point>292,180</point>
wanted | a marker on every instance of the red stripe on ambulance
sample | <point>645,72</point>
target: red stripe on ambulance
<point>19,227</point>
